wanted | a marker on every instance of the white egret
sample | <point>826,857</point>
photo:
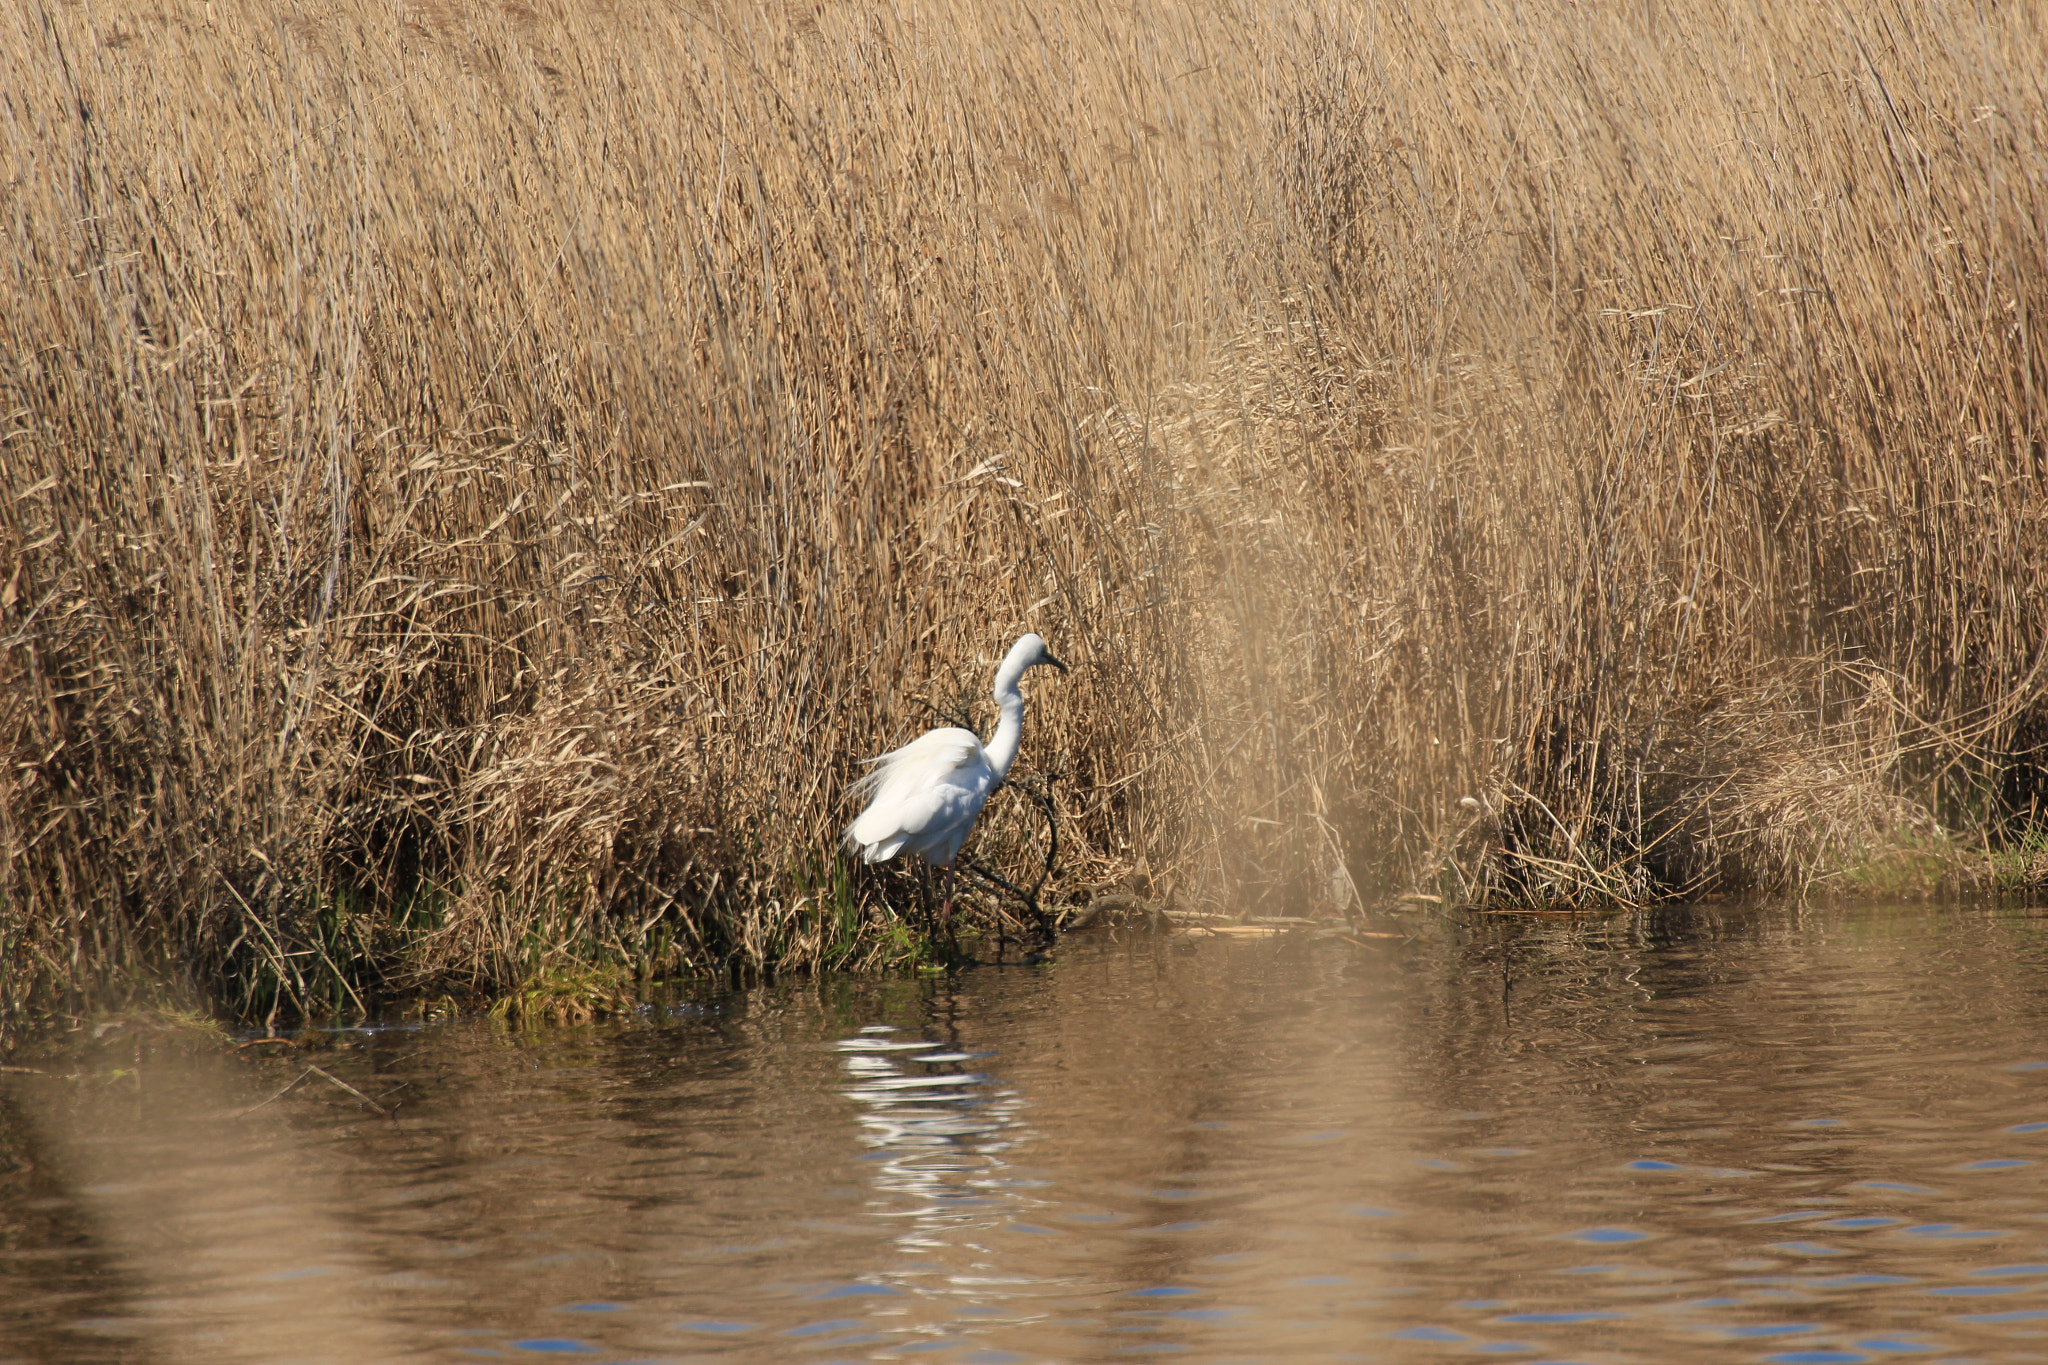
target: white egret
<point>927,794</point>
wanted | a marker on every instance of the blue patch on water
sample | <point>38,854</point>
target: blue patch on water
<point>1650,1165</point>
<point>1203,1314</point>
<point>1367,1211</point>
<point>988,1356</point>
<point>593,1308</point>
<point>1501,1348</point>
<point>1796,1216</point>
<point>1818,1123</point>
<point>1976,1291</point>
<point>857,1290</point>
<point>1816,1358</point>
<point>1534,1318</point>
<point>1032,1228</point>
<point>1895,1345</point>
<point>1313,1280</point>
<point>1859,1281</point>
<point>1182,1227</point>
<point>720,1327</point>
<point>559,1345</point>
<point>1857,1224</point>
<point>2012,1270</point>
<point>2027,1066</point>
<point>2004,1163</point>
<point>1769,1329</point>
<point>818,1329</point>
<point>1163,1292</point>
<point>1593,1269</point>
<point>1950,1232</point>
<point>2014,1315</point>
<point>1897,1187</point>
<point>1607,1236</point>
<point>1428,1334</point>
<point>2028,1128</point>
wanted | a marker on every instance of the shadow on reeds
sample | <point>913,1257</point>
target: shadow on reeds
<point>473,485</point>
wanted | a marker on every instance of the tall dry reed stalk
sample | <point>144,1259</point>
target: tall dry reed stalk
<point>474,477</point>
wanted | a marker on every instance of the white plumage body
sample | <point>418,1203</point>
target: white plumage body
<point>926,796</point>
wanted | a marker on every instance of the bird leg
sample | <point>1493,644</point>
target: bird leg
<point>952,940</point>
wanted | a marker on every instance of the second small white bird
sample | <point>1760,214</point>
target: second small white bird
<point>927,795</point>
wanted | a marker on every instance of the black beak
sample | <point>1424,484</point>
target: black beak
<point>1054,662</point>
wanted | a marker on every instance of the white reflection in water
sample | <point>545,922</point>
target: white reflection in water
<point>939,1141</point>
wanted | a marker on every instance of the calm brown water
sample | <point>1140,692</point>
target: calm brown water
<point>1776,1136</point>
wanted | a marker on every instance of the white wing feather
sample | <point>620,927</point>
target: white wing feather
<point>925,797</point>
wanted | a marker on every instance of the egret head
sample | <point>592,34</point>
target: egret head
<point>1028,652</point>
<point>1031,651</point>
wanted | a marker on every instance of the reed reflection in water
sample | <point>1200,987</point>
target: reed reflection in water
<point>1786,1136</point>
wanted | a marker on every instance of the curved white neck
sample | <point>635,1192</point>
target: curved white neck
<point>1002,745</point>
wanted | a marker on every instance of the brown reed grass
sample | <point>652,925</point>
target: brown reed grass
<point>474,477</point>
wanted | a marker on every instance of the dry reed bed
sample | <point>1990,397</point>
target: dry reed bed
<point>1637,488</point>
<point>476,476</point>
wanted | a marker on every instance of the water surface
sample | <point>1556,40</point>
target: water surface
<point>1797,1136</point>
